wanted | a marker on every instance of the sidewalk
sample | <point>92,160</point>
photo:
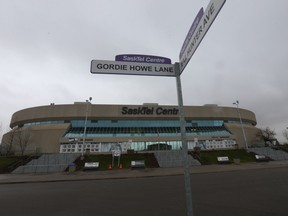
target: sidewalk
<point>138,173</point>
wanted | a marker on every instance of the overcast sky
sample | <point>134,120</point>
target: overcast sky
<point>46,47</point>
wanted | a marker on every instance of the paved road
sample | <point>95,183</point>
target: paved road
<point>257,192</point>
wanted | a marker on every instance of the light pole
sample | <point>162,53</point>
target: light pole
<point>244,135</point>
<point>85,125</point>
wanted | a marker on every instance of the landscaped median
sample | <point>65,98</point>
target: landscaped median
<point>106,161</point>
<point>124,161</point>
<point>210,157</point>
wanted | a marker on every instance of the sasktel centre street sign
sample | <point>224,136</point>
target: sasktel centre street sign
<point>143,58</point>
<point>195,35</point>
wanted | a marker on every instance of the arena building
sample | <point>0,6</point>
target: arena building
<point>94,128</point>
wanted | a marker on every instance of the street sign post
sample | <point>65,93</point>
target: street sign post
<point>185,160</point>
<point>131,64</point>
<point>192,41</point>
<point>206,21</point>
<point>131,68</point>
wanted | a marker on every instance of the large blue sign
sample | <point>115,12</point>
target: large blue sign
<point>191,31</point>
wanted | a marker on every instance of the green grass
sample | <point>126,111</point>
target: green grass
<point>125,160</point>
<point>210,157</point>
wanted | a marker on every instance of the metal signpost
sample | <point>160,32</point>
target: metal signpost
<point>131,64</point>
<point>116,153</point>
<point>192,41</point>
<point>185,160</point>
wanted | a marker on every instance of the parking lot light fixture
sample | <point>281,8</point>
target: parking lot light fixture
<point>240,118</point>
<point>85,125</point>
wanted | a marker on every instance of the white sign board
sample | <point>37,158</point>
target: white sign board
<point>91,165</point>
<point>116,153</point>
<point>131,68</point>
<point>206,21</point>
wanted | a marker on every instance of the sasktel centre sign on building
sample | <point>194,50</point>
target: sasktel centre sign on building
<point>148,111</point>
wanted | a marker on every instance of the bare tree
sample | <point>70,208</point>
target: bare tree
<point>2,148</point>
<point>23,137</point>
<point>7,142</point>
<point>268,136</point>
<point>1,137</point>
<point>1,133</point>
<point>285,134</point>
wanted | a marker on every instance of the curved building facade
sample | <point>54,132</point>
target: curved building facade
<point>94,128</point>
